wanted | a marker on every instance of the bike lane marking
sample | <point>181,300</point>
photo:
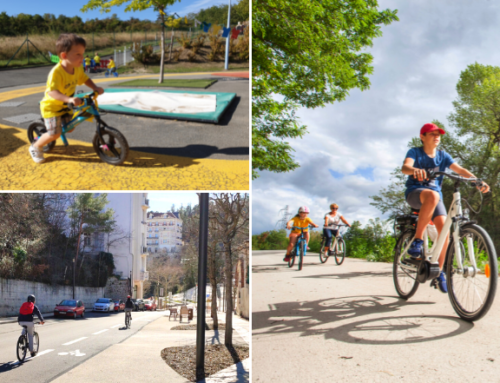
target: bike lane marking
<point>74,341</point>
<point>100,332</point>
<point>43,353</point>
<point>117,325</point>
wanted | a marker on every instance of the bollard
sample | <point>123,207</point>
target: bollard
<point>114,57</point>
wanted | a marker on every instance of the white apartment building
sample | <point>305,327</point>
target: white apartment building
<point>130,254</point>
<point>164,232</point>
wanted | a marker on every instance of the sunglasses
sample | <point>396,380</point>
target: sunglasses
<point>335,208</point>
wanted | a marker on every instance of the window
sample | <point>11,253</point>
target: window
<point>86,239</point>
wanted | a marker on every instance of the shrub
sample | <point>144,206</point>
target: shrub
<point>146,56</point>
<point>185,40</point>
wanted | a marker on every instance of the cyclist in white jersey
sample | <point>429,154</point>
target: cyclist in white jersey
<point>332,222</point>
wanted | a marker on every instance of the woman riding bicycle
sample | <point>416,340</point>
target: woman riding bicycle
<point>300,220</point>
<point>332,222</point>
<point>426,196</point>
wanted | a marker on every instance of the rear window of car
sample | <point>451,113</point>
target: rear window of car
<point>67,303</point>
<point>102,300</point>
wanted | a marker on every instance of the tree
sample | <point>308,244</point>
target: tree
<point>159,6</point>
<point>392,199</point>
<point>231,218</point>
<point>87,216</point>
<point>305,54</point>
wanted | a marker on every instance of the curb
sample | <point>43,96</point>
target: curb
<point>14,319</point>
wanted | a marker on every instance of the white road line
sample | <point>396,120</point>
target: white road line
<point>116,325</point>
<point>100,332</point>
<point>74,341</point>
<point>43,353</point>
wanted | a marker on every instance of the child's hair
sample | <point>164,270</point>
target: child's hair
<point>66,41</point>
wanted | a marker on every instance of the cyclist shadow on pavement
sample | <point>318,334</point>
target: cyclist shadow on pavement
<point>359,274</point>
<point>86,154</point>
<point>195,151</point>
<point>320,317</point>
<point>10,143</point>
<point>9,366</point>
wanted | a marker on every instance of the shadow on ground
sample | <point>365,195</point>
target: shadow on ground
<point>320,317</point>
<point>195,151</point>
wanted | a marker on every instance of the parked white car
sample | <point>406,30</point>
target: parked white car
<point>104,304</point>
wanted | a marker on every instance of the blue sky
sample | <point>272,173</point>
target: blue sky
<point>162,202</point>
<point>71,9</point>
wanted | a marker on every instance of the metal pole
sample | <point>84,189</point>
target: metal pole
<point>228,39</point>
<point>74,276</point>
<point>28,47</point>
<point>93,46</point>
<point>125,55</point>
<point>202,288</point>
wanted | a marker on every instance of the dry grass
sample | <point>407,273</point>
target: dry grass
<point>45,43</point>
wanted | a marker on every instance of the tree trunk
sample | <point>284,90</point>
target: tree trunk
<point>212,274</point>
<point>228,337</point>
<point>162,47</point>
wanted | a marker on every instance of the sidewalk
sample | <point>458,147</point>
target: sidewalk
<point>138,358</point>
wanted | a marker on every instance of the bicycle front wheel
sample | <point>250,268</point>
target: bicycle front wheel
<point>115,149</point>
<point>35,131</point>
<point>36,342</point>
<point>323,255</point>
<point>301,255</point>
<point>340,252</point>
<point>472,289</point>
<point>404,274</point>
<point>127,321</point>
<point>291,262</point>
<point>21,349</point>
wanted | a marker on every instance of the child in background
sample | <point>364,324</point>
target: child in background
<point>111,67</point>
<point>300,220</point>
<point>61,86</point>
<point>87,63</point>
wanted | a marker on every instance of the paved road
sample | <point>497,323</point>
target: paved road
<point>92,335</point>
<point>346,324</point>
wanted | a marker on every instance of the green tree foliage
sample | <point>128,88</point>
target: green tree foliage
<point>217,14</point>
<point>308,54</point>
<point>392,199</point>
<point>22,24</point>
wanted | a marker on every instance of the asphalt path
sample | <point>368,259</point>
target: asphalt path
<point>228,140</point>
<point>66,343</point>
<point>347,324</point>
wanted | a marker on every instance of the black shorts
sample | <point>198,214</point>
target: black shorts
<point>413,200</point>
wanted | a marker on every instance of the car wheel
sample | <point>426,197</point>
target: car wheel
<point>74,316</point>
<point>83,314</point>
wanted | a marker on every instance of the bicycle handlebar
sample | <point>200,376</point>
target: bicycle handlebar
<point>301,228</point>
<point>474,181</point>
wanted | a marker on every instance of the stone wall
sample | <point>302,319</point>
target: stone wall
<point>14,292</point>
<point>117,289</point>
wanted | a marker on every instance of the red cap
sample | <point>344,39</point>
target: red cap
<point>429,127</point>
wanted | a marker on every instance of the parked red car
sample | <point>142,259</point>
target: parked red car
<point>150,305</point>
<point>119,305</point>
<point>69,308</point>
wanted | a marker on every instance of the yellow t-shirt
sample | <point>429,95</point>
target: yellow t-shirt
<point>63,82</point>
<point>87,61</point>
<point>97,59</point>
<point>296,221</point>
<point>111,64</point>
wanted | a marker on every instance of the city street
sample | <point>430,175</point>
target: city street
<point>66,343</point>
<point>347,324</point>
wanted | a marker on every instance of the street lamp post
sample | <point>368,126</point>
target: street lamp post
<point>228,38</point>
<point>202,288</point>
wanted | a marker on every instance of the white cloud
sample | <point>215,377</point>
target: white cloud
<point>417,64</point>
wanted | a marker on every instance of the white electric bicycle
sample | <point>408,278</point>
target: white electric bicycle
<point>471,261</point>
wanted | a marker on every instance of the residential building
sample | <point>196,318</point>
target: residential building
<point>164,232</point>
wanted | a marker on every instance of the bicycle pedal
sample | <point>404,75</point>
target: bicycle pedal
<point>434,283</point>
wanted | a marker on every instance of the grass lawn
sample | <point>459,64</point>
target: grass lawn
<point>181,83</point>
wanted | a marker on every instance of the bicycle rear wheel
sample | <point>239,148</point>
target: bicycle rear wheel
<point>301,254</point>
<point>404,274</point>
<point>340,252</point>
<point>323,255</point>
<point>115,148</point>
<point>472,290</point>
<point>35,131</point>
<point>21,348</point>
<point>36,342</point>
<point>127,321</point>
<point>291,262</point>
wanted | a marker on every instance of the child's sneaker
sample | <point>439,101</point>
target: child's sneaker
<point>308,248</point>
<point>36,154</point>
<point>415,249</point>
<point>287,258</point>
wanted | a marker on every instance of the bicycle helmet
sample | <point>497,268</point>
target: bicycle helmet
<point>31,298</point>
<point>128,296</point>
<point>303,209</point>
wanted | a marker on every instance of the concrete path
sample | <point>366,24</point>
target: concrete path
<point>346,324</point>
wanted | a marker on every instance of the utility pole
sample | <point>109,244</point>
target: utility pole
<point>202,288</point>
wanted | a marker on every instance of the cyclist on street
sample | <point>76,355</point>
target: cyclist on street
<point>129,306</point>
<point>425,195</point>
<point>332,222</point>
<point>300,220</point>
<point>26,313</point>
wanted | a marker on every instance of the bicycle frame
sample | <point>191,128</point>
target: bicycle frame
<point>301,240</point>
<point>432,254</point>
<point>339,235</point>
<point>89,106</point>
